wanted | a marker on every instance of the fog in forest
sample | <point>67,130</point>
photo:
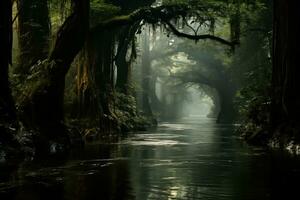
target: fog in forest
<point>175,91</point>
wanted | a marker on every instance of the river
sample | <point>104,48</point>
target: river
<point>193,158</point>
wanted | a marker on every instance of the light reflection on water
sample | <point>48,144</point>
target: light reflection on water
<point>190,159</point>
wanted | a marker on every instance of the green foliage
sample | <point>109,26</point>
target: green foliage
<point>252,68</point>
<point>126,111</point>
<point>59,11</point>
<point>39,76</point>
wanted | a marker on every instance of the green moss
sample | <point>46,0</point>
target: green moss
<point>101,12</point>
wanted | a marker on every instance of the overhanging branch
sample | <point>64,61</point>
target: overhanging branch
<point>162,14</point>
<point>199,37</point>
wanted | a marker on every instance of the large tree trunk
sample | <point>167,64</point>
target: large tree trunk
<point>286,100</point>
<point>100,64</point>
<point>123,66</point>
<point>43,104</point>
<point>7,107</point>
<point>123,63</point>
<point>107,78</point>
<point>7,110</point>
<point>87,101</point>
<point>34,32</point>
<point>104,77</point>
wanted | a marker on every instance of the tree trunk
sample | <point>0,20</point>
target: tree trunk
<point>7,107</point>
<point>146,76</point>
<point>123,66</point>
<point>34,32</point>
<point>123,63</point>
<point>43,104</point>
<point>156,104</point>
<point>102,61</point>
<point>87,101</point>
<point>227,112</point>
<point>285,100</point>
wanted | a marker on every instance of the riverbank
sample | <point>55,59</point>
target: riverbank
<point>284,137</point>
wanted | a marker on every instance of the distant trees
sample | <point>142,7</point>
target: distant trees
<point>212,71</point>
<point>146,76</point>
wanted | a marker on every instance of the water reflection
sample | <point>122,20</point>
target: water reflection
<point>190,159</point>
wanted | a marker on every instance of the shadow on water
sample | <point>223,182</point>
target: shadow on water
<point>189,159</point>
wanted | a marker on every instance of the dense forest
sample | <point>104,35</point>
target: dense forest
<point>75,74</point>
<point>73,71</point>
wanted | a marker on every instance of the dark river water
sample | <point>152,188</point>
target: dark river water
<point>189,159</point>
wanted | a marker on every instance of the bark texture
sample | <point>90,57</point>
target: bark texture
<point>286,100</point>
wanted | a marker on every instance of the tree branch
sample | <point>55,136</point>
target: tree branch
<point>162,14</point>
<point>199,37</point>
